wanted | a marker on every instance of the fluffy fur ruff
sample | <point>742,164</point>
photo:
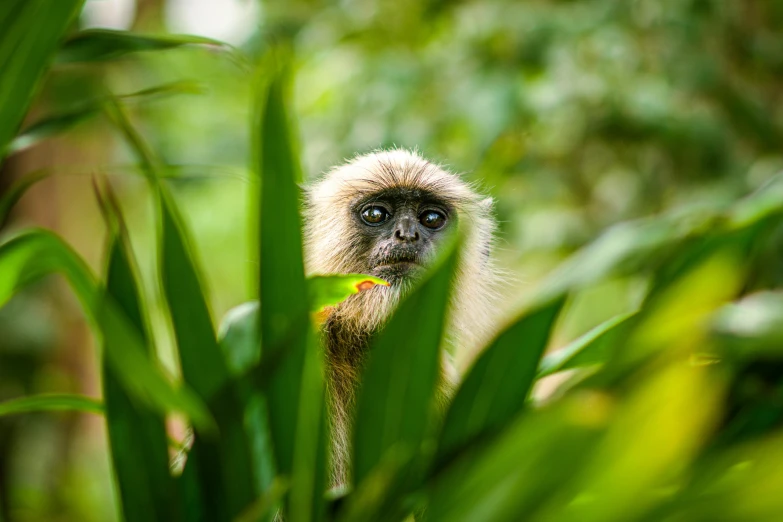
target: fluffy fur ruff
<point>333,247</point>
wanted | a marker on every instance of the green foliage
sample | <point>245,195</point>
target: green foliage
<point>671,412</point>
<point>30,39</point>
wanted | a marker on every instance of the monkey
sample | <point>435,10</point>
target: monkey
<point>385,214</point>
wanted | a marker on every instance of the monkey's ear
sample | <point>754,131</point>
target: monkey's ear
<point>487,203</point>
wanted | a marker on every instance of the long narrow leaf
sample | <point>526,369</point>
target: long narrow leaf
<point>498,384</point>
<point>29,33</point>
<point>31,255</point>
<point>396,402</point>
<point>295,390</point>
<point>105,44</point>
<point>50,402</point>
<point>219,468</point>
<point>590,348</point>
<point>137,434</point>
<point>223,465</point>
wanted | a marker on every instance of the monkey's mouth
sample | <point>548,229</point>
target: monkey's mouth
<point>394,267</point>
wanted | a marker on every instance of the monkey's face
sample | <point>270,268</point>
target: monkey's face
<point>399,231</point>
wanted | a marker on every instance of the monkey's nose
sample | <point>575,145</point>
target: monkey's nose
<point>406,230</point>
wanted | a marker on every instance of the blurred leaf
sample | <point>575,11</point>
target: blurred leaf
<point>30,255</point>
<point>239,337</point>
<point>55,124</point>
<point>295,392</point>
<point>654,436</point>
<point>30,31</point>
<point>397,395</point>
<point>331,290</point>
<point>591,348</point>
<point>753,325</point>
<point>93,45</point>
<point>765,202</point>
<point>17,189</point>
<point>680,312</point>
<point>51,402</point>
<point>223,464</point>
<point>137,434</point>
<point>497,386</point>
<point>509,475</point>
<point>738,485</point>
<point>623,248</point>
<point>50,127</point>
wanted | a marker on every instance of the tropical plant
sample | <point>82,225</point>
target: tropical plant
<point>671,412</point>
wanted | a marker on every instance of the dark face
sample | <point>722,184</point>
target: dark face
<point>400,230</point>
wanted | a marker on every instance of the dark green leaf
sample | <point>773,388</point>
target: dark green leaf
<point>395,406</point>
<point>295,391</point>
<point>498,384</point>
<point>137,434</point>
<point>29,33</point>
<point>223,465</point>
<point>50,402</point>
<point>95,45</point>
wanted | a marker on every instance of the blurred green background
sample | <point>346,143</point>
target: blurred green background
<point>573,115</point>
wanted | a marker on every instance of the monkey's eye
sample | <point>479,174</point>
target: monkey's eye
<point>432,219</point>
<point>375,215</point>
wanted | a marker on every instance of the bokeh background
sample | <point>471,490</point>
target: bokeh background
<point>572,115</point>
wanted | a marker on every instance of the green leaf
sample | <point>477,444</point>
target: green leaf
<point>137,434</point>
<point>507,476</point>
<point>497,386</point>
<point>30,31</point>
<point>590,348</point>
<point>29,256</point>
<point>94,45</point>
<point>239,337</point>
<point>52,125</point>
<point>51,402</point>
<point>658,428</point>
<point>295,391</point>
<point>49,127</point>
<point>331,290</point>
<point>223,465</point>
<point>396,401</point>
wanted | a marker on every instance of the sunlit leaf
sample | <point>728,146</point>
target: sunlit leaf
<point>655,433</point>
<point>331,290</point>
<point>50,402</point>
<point>590,348</point>
<point>509,475</point>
